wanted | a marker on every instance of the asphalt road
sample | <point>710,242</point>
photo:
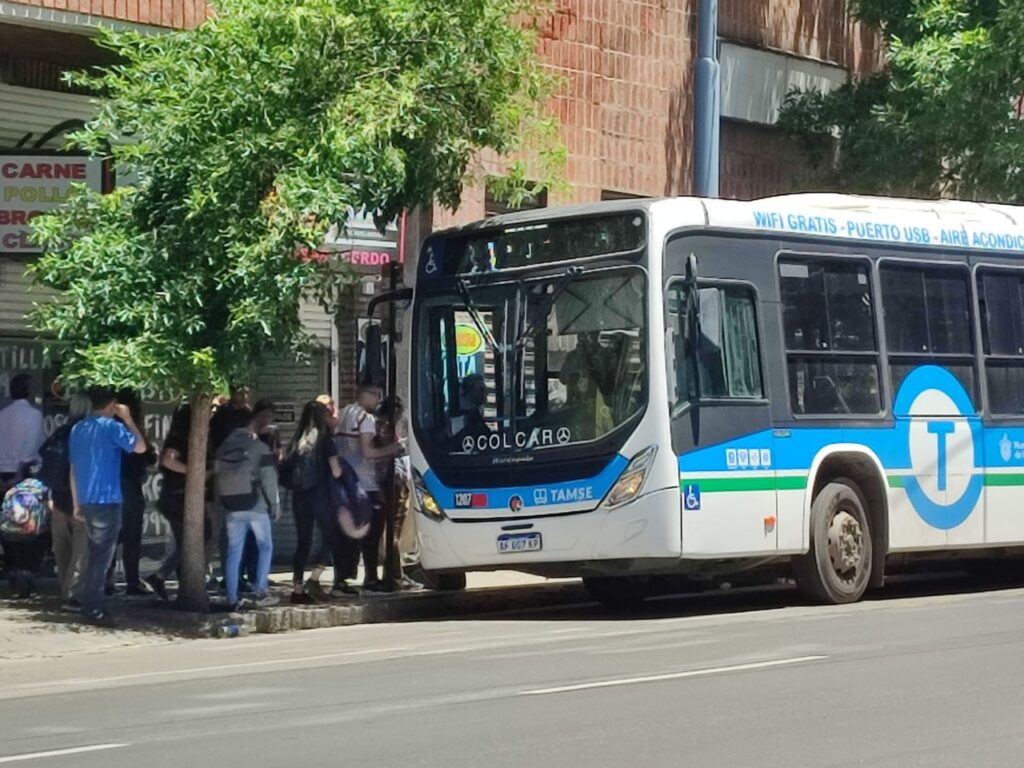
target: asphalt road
<point>752,679</point>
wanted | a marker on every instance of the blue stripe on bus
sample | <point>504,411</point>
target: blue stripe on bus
<point>586,491</point>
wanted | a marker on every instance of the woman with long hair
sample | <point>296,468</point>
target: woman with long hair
<point>314,465</point>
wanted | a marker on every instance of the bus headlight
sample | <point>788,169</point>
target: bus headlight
<point>631,481</point>
<point>424,498</point>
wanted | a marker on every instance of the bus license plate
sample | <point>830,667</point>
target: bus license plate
<point>518,542</point>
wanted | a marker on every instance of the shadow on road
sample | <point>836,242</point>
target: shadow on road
<point>716,601</point>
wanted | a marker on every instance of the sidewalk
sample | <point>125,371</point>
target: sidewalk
<point>36,628</point>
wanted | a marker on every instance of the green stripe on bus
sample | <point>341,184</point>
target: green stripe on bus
<point>896,481</point>
<point>721,484</point>
<point>797,483</point>
<point>1016,479</point>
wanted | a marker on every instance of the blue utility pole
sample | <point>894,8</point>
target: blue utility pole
<point>706,102</point>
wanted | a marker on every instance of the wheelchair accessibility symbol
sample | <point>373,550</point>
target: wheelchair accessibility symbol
<point>938,425</point>
<point>691,497</point>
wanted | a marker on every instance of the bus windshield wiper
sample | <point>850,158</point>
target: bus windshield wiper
<point>478,319</point>
<point>549,301</point>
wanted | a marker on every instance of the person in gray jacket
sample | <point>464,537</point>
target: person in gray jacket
<point>245,483</point>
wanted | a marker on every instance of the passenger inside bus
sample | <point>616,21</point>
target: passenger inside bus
<point>470,421</point>
<point>583,373</point>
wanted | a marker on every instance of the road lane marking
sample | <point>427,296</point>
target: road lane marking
<point>59,752</point>
<point>217,668</point>
<point>673,675</point>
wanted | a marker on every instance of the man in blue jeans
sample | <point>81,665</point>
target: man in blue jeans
<point>95,448</point>
<point>245,485</point>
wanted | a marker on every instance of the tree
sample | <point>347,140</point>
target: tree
<point>249,136</point>
<point>943,118</point>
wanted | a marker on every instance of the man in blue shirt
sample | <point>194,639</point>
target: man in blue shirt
<point>96,446</point>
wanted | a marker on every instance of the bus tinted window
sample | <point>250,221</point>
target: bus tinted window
<point>1001,299</point>
<point>543,242</point>
<point>831,344</point>
<point>928,320</point>
<point>827,305</point>
<point>926,311</point>
<point>723,359</point>
<point>834,387</point>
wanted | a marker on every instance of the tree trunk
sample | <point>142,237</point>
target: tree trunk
<point>192,589</point>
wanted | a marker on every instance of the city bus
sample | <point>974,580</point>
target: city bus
<point>642,391</point>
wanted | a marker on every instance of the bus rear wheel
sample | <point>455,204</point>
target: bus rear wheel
<point>837,567</point>
<point>623,593</point>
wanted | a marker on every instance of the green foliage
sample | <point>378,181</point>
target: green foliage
<point>940,120</point>
<point>249,136</point>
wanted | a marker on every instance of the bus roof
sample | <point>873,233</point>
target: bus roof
<point>892,220</point>
<point>897,221</point>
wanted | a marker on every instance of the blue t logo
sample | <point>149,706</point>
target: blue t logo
<point>940,429</point>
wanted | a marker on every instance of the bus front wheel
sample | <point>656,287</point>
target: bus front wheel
<point>622,593</point>
<point>837,567</point>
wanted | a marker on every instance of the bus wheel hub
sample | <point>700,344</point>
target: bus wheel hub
<point>845,544</point>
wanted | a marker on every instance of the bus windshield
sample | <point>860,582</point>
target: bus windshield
<point>532,364</point>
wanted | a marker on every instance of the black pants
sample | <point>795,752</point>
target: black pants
<point>172,507</point>
<point>347,551</point>
<point>23,554</point>
<point>310,512</point>
<point>133,513</point>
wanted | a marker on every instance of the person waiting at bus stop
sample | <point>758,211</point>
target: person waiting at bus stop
<point>357,428</point>
<point>310,465</point>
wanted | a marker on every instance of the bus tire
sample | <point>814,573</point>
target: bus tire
<point>837,567</point>
<point>621,593</point>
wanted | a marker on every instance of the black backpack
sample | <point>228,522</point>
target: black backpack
<point>55,472</point>
<point>301,471</point>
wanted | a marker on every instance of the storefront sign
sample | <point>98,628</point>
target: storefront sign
<point>31,185</point>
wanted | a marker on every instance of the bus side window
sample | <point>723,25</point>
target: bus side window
<point>1001,298</point>
<point>717,354</point>
<point>832,357</point>
<point>928,320</point>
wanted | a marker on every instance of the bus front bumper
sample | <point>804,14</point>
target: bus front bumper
<point>649,527</point>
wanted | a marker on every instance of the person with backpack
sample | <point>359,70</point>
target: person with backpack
<point>24,518</point>
<point>96,446</point>
<point>21,435</point>
<point>67,533</point>
<point>309,470</point>
<point>245,486</point>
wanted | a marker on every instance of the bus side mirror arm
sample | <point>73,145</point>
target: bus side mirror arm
<point>691,269</point>
<point>400,296</point>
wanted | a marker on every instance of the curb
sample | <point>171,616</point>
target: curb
<point>409,607</point>
<point>165,619</point>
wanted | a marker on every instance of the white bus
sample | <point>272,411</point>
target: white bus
<point>642,390</point>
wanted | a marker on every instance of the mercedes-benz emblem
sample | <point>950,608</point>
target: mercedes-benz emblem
<point>563,435</point>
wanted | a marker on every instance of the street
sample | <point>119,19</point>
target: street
<point>912,678</point>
